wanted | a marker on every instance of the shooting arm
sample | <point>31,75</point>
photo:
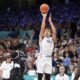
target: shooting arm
<point>42,30</point>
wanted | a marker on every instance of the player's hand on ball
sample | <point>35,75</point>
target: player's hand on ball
<point>50,18</point>
<point>44,15</point>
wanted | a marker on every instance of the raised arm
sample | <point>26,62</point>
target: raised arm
<point>53,28</point>
<point>42,30</point>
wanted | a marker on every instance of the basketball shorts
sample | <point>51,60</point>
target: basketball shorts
<point>44,65</point>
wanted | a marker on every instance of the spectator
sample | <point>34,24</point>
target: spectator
<point>77,75</point>
<point>6,67</point>
<point>70,70</point>
<point>78,50</point>
<point>66,62</point>
<point>61,75</point>
<point>74,72</point>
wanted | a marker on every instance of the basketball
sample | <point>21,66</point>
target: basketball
<point>44,8</point>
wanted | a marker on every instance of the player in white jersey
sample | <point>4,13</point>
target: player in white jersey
<point>47,39</point>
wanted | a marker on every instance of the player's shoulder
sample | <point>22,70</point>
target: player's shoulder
<point>42,39</point>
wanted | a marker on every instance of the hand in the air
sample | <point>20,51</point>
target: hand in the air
<point>44,15</point>
<point>50,18</point>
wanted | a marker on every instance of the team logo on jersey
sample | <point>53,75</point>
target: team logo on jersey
<point>49,41</point>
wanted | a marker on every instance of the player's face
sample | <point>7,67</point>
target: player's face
<point>47,33</point>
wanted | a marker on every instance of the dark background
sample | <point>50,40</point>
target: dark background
<point>24,4</point>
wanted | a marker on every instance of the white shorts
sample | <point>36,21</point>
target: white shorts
<point>44,65</point>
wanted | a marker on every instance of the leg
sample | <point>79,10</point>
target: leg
<point>48,68</point>
<point>40,63</point>
<point>40,76</point>
<point>47,76</point>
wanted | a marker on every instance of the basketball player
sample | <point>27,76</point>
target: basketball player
<point>47,39</point>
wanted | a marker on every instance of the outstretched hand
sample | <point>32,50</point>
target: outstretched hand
<point>50,18</point>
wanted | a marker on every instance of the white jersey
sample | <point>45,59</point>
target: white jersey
<point>46,46</point>
<point>6,68</point>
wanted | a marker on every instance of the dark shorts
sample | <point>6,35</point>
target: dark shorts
<point>5,79</point>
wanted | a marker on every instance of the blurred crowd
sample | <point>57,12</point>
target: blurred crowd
<point>66,52</point>
<point>24,18</point>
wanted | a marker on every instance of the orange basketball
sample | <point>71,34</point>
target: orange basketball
<point>44,8</point>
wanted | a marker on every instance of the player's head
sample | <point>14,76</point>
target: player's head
<point>47,32</point>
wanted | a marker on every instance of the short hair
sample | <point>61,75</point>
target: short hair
<point>48,28</point>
